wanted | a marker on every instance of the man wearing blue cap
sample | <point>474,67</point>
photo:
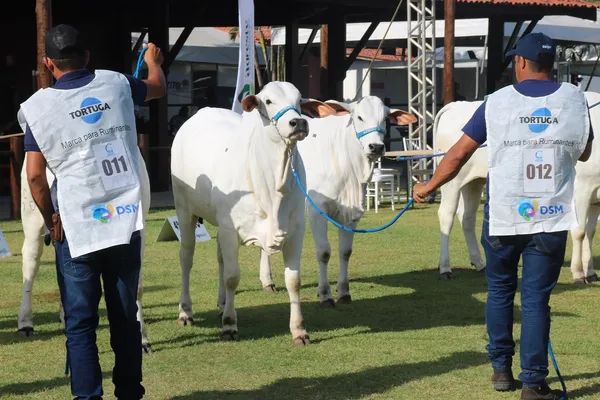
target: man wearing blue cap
<point>536,131</point>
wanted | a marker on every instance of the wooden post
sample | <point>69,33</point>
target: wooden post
<point>337,52</point>
<point>158,33</point>
<point>324,61</point>
<point>17,155</point>
<point>43,15</point>
<point>495,56</point>
<point>449,18</point>
<point>292,66</point>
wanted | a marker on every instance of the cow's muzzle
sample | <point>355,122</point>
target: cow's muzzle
<point>299,129</point>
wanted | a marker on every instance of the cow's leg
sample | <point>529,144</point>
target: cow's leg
<point>345,251</point>
<point>448,206</point>
<point>187,228</point>
<point>292,252</point>
<point>467,215</point>
<point>588,241</point>
<point>266,277</point>
<point>318,225</point>
<point>145,344</point>
<point>229,245</point>
<point>32,249</point>
<point>221,294</point>
<point>582,206</point>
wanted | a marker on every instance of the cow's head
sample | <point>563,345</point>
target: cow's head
<point>368,119</point>
<point>280,103</point>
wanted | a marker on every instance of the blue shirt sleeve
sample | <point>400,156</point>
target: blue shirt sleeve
<point>138,90</point>
<point>29,142</point>
<point>476,128</point>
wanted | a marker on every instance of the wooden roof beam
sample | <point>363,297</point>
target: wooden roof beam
<point>172,54</point>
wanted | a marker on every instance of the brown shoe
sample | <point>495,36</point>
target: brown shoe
<point>503,381</point>
<point>542,392</point>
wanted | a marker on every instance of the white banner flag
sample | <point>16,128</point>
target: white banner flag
<point>245,78</point>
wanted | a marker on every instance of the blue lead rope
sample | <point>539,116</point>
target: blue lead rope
<point>560,378</point>
<point>140,63</point>
<point>337,224</point>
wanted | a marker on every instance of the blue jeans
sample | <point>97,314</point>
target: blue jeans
<point>80,292</point>
<point>543,256</point>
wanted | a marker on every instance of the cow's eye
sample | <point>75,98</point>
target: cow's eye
<point>360,118</point>
<point>269,102</point>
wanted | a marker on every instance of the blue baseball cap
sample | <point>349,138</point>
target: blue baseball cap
<point>534,45</point>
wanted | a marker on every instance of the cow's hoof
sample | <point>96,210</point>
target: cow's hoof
<point>446,276</point>
<point>183,321</point>
<point>47,240</point>
<point>302,340</point>
<point>147,348</point>
<point>592,278</point>
<point>579,281</point>
<point>25,332</point>
<point>346,299</point>
<point>230,336</point>
<point>270,289</point>
<point>329,303</point>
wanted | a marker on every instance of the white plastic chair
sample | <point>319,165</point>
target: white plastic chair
<point>381,186</point>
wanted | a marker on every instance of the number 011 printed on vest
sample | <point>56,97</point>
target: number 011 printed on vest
<point>538,171</point>
<point>114,165</point>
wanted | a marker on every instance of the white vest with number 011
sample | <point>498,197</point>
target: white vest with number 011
<point>534,144</point>
<point>88,137</point>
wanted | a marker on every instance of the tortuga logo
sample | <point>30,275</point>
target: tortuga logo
<point>104,213</point>
<point>539,120</point>
<point>247,90</point>
<point>90,111</point>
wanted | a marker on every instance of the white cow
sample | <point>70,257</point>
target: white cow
<point>33,229</point>
<point>243,184</point>
<point>587,204</point>
<point>338,164</point>
<point>463,193</point>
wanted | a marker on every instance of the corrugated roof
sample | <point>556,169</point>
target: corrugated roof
<point>562,3</point>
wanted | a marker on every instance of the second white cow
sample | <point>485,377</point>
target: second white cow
<point>243,184</point>
<point>339,157</point>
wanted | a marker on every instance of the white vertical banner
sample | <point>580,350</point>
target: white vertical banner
<point>245,77</point>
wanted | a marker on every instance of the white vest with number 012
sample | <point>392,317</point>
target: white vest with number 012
<point>534,144</point>
<point>88,137</point>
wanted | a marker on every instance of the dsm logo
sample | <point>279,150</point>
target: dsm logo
<point>529,209</point>
<point>90,111</point>
<point>539,120</point>
<point>106,212</point>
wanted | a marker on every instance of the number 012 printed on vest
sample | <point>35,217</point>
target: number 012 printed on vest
<point>114,165</point>
<point>538,170</point>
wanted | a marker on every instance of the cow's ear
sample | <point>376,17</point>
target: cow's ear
<point>316,108</point>
<point>400,117</point>
<point>250,103</point>
<point>340,107</point>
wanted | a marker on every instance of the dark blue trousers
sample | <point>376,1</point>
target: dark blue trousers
<point>543,255</point>
<point>80,292</point>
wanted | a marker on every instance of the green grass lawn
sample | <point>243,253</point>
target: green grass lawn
<point>407,335</point>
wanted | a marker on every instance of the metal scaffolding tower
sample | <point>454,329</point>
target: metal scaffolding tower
<point>421,82</point>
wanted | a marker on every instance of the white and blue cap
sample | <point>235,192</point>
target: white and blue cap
<point>534,47</point>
